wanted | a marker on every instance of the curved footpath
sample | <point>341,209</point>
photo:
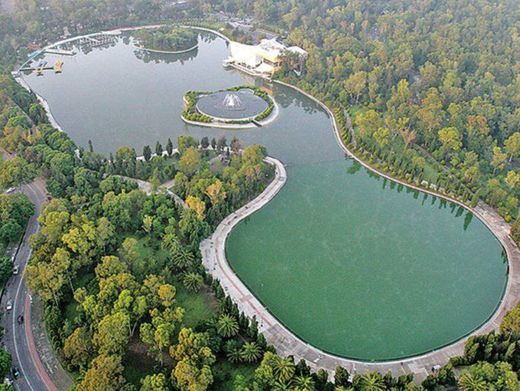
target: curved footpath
<point>287,343</point>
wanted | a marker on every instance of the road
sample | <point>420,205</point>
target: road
<point>19,338</point>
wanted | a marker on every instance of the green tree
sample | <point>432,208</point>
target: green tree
<point>6,269</point>
<point>192,281</point>
<point>5,363</point>
<point>450,139</point>
<point>512,146</point>
<point>189,162</point>
<point>194,359</point>
<point>147,153</point>
<point>156,382</point>
<point>499,159</point>
<point>227,326</point>
<point>250,352</point>
<point>105,373</point>
<point>112,333</point>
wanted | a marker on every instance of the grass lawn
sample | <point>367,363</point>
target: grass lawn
<point>430,173</point>
<point>198,306</point>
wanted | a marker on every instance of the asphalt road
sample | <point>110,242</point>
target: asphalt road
<point>18,338</point>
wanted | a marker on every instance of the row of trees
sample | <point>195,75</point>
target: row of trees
<point>15,211</point>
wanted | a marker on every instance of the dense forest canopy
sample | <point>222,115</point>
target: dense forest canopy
<point>440,76</point>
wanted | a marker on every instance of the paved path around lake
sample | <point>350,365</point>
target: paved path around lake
<point>286,343</point>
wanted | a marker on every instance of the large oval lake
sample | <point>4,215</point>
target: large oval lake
<point>351,263</point>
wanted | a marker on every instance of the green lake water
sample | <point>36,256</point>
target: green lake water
<point>351,263</point>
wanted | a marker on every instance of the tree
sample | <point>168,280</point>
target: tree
<point>356,85</point>
<point>372,381</point>
<point>283,369</point>
<point>5,363</point>
<point>194,359</point>
<point>147,153</point>
<point>158,334</point>
<point>6,269</point>
<point>235,145</point>
<point>515,231</point>
<point>216,193</point>
<point>341,377</point>
<point>156,382</point>
<point>512,179</point>
<point>512,146</point>
<point>450,139</point>
<point>499,159</point>
<point>169,147</point>
<point>189,161</point>
<point>486,376</point>
<point>158,149</point>
<point>197,205</point>
<point>368,122</point>
<point>227,326</point>
<point>511,322</point>
<point>112,334</point>
<point>78,348</point>
<point>382,136</point>
<point>192,281</point>
<point>186,142</point>
<point>303,383</point>
<point>254,154</point>
<point>221,144</point>
<point>250,352</point>
<point>105,373</point>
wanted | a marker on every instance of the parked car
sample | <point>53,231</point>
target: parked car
<point>9,305</point>
<point>15,372</point>
<point>10,190</point>
<point>15,270</point>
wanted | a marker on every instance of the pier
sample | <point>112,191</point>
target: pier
<point>60,52</point>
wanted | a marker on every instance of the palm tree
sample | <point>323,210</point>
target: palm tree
<point>303,383</point>
<point>281,386</point>
<point>234,355</point>
<point>250,352</point>
<point>182,258</point>
<point>372,381</point>
<point>227,326</point>
<point>192,281</point>
<point>283,369</point>
<point>470,382</point>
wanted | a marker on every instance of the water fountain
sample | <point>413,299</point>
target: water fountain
<point>232,101</point>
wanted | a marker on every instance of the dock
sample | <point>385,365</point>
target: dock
<point>60,52</point>
<point>57,68</point>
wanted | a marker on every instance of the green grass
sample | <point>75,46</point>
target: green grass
<point>198,306</point>
<point>430,173</point>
